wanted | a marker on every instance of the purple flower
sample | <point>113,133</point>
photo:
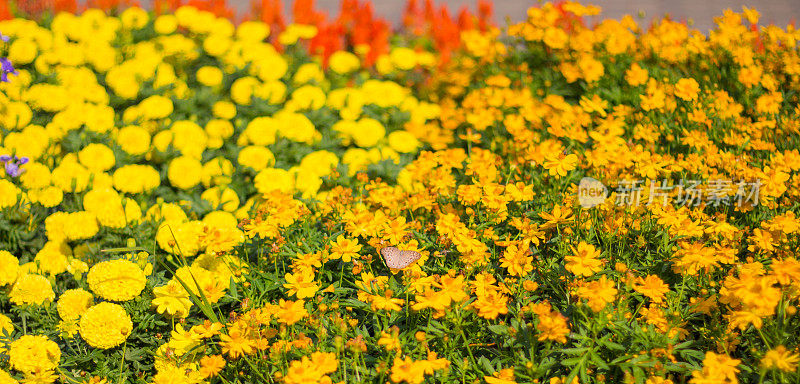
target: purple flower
<point>3,37</point>
<point>5,69</point>
<point>13,164</point>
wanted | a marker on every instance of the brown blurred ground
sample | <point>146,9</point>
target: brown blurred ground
<point>701,12</point>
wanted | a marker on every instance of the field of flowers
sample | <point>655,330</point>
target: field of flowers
<point>189,197</point>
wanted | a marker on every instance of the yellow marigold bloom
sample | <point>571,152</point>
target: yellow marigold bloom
<point>403,58</point>
<point>31,289</point>
<point>344,62</point>
<point>5,378</point>
<point>73,303</point>
<point>31,354</point>
<point>171,374</point>
<point>172,299</point>
<point>272,179</point>
<point>8,194</point>
<point>117,280</point>
<point>105,325</point>
<point>97,157</point>
<point>296,127</point>
<point>52,258</point>
<point>256,157</point>
<point>221,198</point>
<point>9,267</point>
<point>403,142</point>
<point>320,163</point>
<point>209,76</point>
<point>134,140</point>
<point>135,178</point>
<point>185,172</point>
<point>80,225</point>
<point>687,89</point>
<point>36,176</point>
<point>180,238</point>
<point>368,132</point>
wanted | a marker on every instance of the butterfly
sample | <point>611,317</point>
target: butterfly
<point>397,259</point>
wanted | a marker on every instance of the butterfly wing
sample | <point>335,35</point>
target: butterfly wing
<point>392,257</point>
<point>397,259</point>
<point>409,257</point>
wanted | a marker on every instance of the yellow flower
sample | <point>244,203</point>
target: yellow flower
<point>301,284</point>
<point>224,110</point>
<point>6,378</point>
<point>256,157</point>
<point>343,62</point>
<point>651,286</point>
<point>403,58</point>
<point>272,179</point>
<point>368,132</point>
<point>780,358</point>
<point>344,248</point>
<point>209,76</point>
<point>687,89</point>
<point>9,267</point>
<point>716,368</point>
<point>31,289</point>
<point>135,178</point>
<point>408,371</point>
<point>73,303</point>
<point>210,366</point>
<point>172,300</point>
<point>584,261</point>
<point>403,142</point>
<point>105,325</point>
<point>166,24</point>
<point>8,194</point>
<point>97,157</point>
<point>31,354</point>
<point>636,75</point>
<point>185,172</point>
<point>235,344</point>
<point>560,166</point>
<point>133,140</point>
<point>117,280</point>
<point>598,293</point>
<point>252,31</point>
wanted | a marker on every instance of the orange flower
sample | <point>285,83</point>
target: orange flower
<point>210,366</point>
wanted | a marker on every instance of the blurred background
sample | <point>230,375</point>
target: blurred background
<point>700,12</point>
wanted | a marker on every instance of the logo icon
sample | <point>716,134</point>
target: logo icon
<point>591,192</point>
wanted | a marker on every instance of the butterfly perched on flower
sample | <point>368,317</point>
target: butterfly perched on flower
<point>399,259</point>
